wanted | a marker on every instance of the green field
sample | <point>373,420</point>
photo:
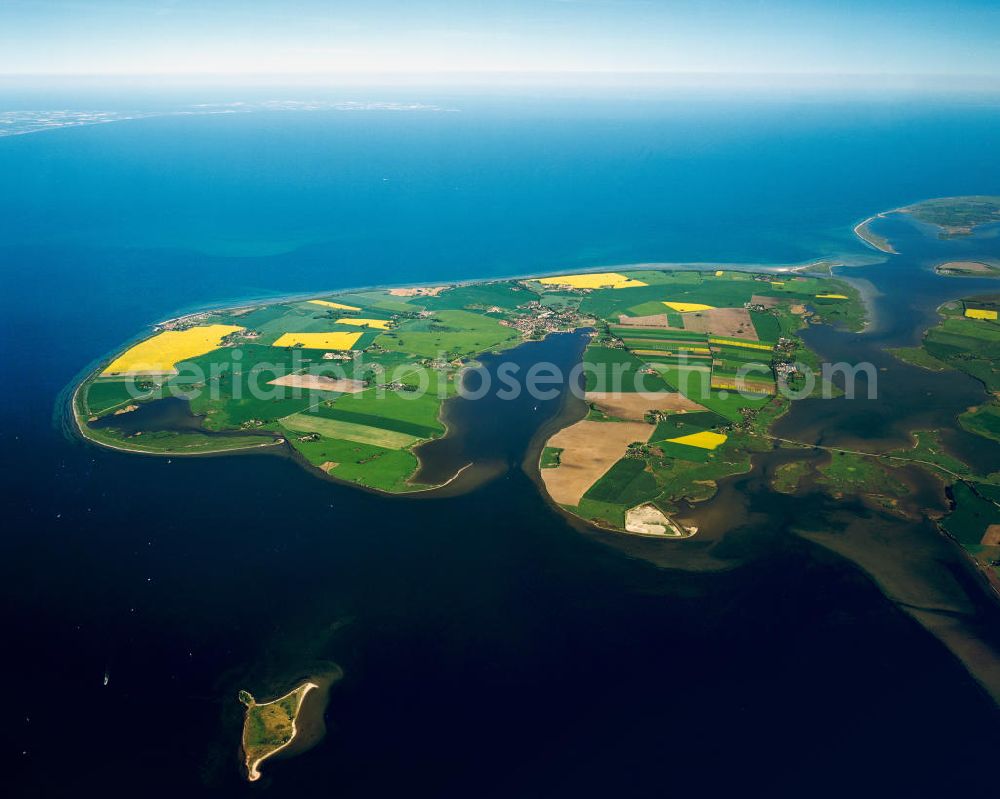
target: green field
<point>983,421</point>
<point>348,431</point>
<point>103,396</point>
<point>414,408</point>
<point>972,515</point>
<point>480,296</point>
<point>550,457</point>
<point>451,333</point>
<point>847,473</point>
<point>690,336</point>
<point>627,483</point>
<point>376,420</point>
<point>766,324</point>
<point>918,356</point>
<point>608,369</point>
<point>788,476</point>
<point>969,345</point>
<point>683,424</point>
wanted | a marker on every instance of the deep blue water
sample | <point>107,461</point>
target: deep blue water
<point>490,648</point>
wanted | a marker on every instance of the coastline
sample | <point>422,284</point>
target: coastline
<point>480,473</point>
<point>863,231</point>
<point>307,724</point>
<point>252,766</point>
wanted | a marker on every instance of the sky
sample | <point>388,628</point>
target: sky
<point>353,37</point>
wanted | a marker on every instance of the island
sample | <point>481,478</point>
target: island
<point>956,216</point>
<point>985,268</point>
<point>948,217</point>
<point>684,369</point>
<point>287,725</point>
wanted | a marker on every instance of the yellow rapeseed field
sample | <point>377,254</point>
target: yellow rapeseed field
<point>594,280</point>
<point>687,307</point>
<point>980,313</point>
<point>162,352</point>
<point>318,341</point>
<point>831,296</point>
<point>678,351</point>
<point>377,324</point>
<point>703,440</point>
<point>338,305</point>
<point>739,342</point>
<point>719,273</point>
<point>777,283</point>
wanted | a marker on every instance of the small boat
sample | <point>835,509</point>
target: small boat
<point>107,676</point>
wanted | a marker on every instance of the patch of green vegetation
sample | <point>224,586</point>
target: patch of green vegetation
<point>379,420</point>
<point>299,423</point>
<point>848,314</point>
<point>606,513</point>
<point>729,291</point>
<point>555,300</point>
<point>649,308</point>
<point>848,473</point>
<point>550,457</point>
<point>690,336</point>
<point>667,277</point>
<point>380,300</point>
<point>918,356</point>
<point>695,482</point>
<point>452,334</point>
<point>608,369</point>
<point>411,407</point>
<point>234,384</point>
<point>928,448</point>
<point>788,476</point>
<point>684,452</point>
<point>730,404</point>
<point>626,483</point>
<point>982,421</point>
<point>682,424</point>
<point>356,462</point>
<point>106,396</point>
<point>972,515</point>
<point>168,442</point>
<point>387,471</point>
<point>957,215</point>
<point>968,269</point>
<point>689,380</point>
<point>766,324</point>
<point>969,345</point>
<point>504,294</point>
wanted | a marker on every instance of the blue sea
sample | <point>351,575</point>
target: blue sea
<point>510,655</point>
